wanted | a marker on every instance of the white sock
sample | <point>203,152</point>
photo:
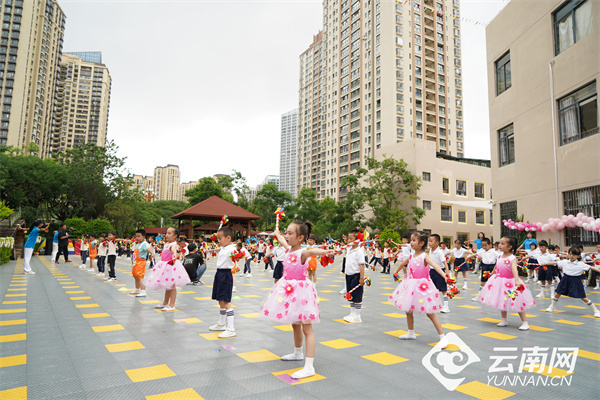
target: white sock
<point>542,291</point>
<point>442,336</point>
<point>297,351</point>
<point>412,333</point>
<point>592,306</point>
<point>551,290</point>
<point>308,362</point>
<point>445,301</point>
<point>351,308</point>
<point>357,308</point>
<point>230,325</point>
<point>222,316</point>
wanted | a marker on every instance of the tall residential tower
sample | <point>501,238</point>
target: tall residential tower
<point>386,71</point>
<point>30,53</point>
<point>83,101</point>
<point>288,155</point>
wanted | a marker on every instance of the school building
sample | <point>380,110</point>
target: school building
<point>456,193</point>
<point>543,67</point>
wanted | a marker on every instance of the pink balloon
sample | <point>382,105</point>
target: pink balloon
<point>560,225</point>
<point>579,224</point>
<point>579,215</point>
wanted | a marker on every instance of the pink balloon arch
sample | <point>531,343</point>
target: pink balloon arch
<point>556,224</point>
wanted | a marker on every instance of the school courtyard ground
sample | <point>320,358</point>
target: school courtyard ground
<point>67,334</point>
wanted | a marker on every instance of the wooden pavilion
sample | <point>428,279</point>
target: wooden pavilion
<point>213,209</point>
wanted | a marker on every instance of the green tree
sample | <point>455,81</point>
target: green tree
<point>307,205</point>
<point>121,215</point>
<point>5,211</point>
<point>268,198</point>
<point>385,187</point>
<point>164,209</point>
<point>207,187</point>
<point>98,226</point>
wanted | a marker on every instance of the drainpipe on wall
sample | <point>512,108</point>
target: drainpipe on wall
<point>558,214</point>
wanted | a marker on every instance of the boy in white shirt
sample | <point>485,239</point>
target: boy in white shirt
<point>438,256</point>
<point>111,256</point>
<point>102,248</point>
<point>355,273</point>
<point>279,254</point>
<point>488,261</point>
<point>544,272</point>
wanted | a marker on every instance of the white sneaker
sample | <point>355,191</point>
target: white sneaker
<point>248,275</point>
<point>293,357</point>
<point>354,319</point>
<point>597,287</point>
<point>597,314</point>
<point>550,309</point>
<point>502,323</point>
<point>234,289</point>
<point>445,310</point>
<point>303,373</point>
<point>476,298</point>
<point>524,326</point>
<point>141,294</point>
<point>29,272</point>
<point>227,333</point>
<point>343,291</point>
<point>217,327</point>
<point>528,280</point>
<point>134,292</point>
<point>100,274</point>
<point>408,336</point>
<point>90,270</point>
<point>443,342</point>
<point>168,308</point>
<point>242,274</point>
<point>160,306</point>
<point>348,317</point>
<point>540,295</point>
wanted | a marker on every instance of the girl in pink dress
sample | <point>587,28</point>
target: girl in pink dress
<point>417,292</point>
<point>505,291</point>
<point>168,273</point>
<point>293,299</point>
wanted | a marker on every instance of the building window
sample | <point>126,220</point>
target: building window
<point>426,176</point>
<point>578,114</point>
<point>445,185</point>
<point>446,213</point>
<point>479,190</point>
<point>491,217</point>
<point>587,201</point>
<point>572,22</point>
<point>447,240</point>
<point>426,205</point>
<point>480,217</point>
<point>508,210</point>
<point>503,81</point>
<point>462,237</point>
<point>506,145</point>
<point>462,216</point>
<point>461,187</point>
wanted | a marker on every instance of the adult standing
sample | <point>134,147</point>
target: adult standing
<point>63,243</point>
<point>480,237</point>
<point>54,245</point>
<point>527,242</point>
<point>34,232</point>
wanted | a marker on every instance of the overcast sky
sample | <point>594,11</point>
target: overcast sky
<point>203,84</point>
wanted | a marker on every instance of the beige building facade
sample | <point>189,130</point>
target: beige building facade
<point>83,102</point>
<point>166,182</point>
<point>543,69</point>
<point>389,72</point>
<point>455,192</point>
<point>184,187</point>
<point>30,54</point>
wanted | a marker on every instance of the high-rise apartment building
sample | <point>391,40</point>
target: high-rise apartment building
<point>30,52</point>
<point>543,74</point>
<point>386,71</point>
<point>82,102</point>
<point>184,187</point>
<point>311,115</point>
<point>166,182</point>
<point>269,179</point>
<point>288,155</point>
<point>143,183</point>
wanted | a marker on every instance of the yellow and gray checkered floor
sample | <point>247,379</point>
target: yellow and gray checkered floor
<point>65,333</point>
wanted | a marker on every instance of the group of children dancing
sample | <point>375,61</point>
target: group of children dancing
<point>423,287</point>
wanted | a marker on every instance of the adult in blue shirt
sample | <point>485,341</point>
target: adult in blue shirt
<point>54,245</point>
<point>34,232</point>
<point>527,243</point>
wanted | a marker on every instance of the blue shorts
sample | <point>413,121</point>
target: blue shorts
<point>223,285</point>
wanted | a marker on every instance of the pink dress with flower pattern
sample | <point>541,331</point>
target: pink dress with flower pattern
<point>293,298</point>
<point>417,293</point>
<point>501,286</point>
<point>165,276</point>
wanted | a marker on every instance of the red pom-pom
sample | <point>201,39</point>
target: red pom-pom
<point>348,296</point>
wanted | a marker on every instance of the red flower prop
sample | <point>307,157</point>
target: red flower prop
<point>289,290</point>
<point>236,255</point>
<point>450,280</point>
<point>348,296</point>
<point>486,274</point>
<point>423,287</point>
<point>453,291</point>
